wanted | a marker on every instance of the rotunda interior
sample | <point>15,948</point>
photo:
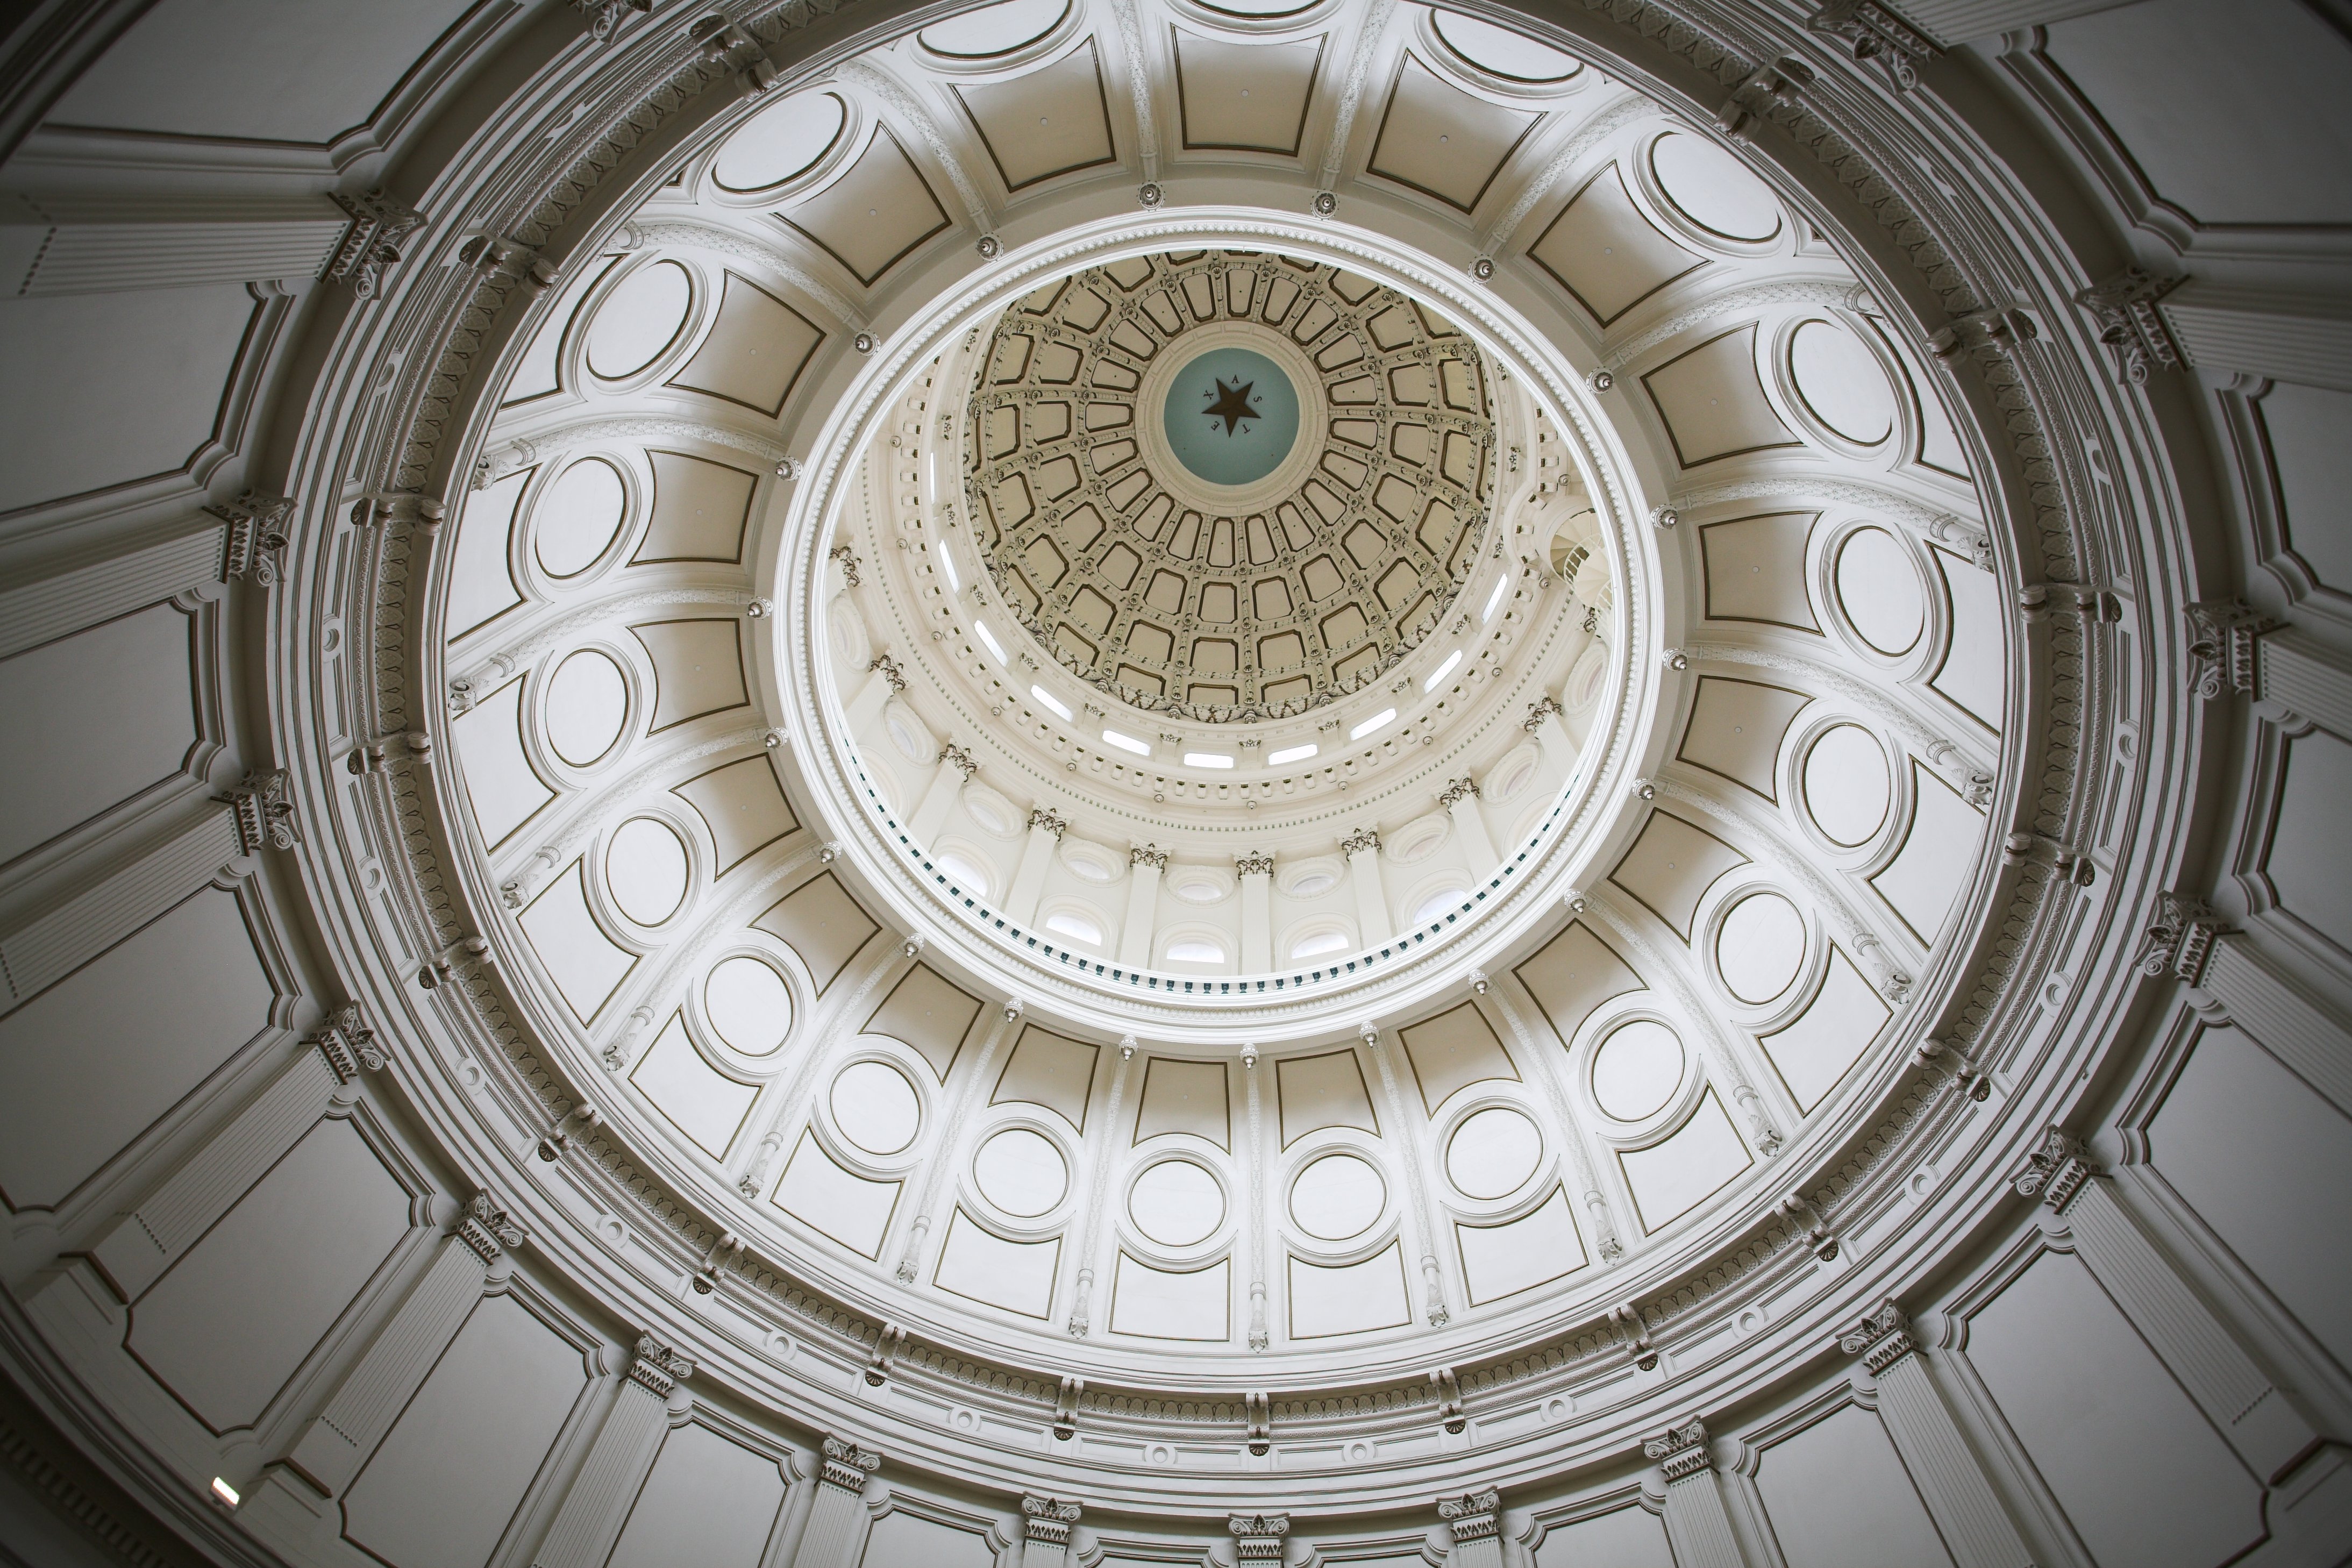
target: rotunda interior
<point>856,784</point>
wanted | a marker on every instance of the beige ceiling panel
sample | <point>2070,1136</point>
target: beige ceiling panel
<point>1251,98</point>
<point>500,782</point>
<point>1573,973</point>
<point>1821,1045</point>
<point>1453,1050</point>
<point>1736,728</point>
<point>1755,570</point>
<point>821,923</point>
<point>1170,1304</point>
<point>1353,1299</point>
<point>1440,141</point>
<point>1671,867</point>
<point>697,669</point>
<point>1185,1097</point>
<point>873,216</point>
<point>742,805</point>
<point>1323,1092</point>
<point>696,1098</point>
<point>754,351</point>
<point>981,1265</point>
<point>1499,1260</point>
<point>930,1013</point>
<point>1048,1070</point>
<point>1605,253</point>
<point>850,1208</point>
<point>1712,402</point>
<point>585,964</point>
<point>1938,851</point>
<point>1670,1179</point>
<point>699,512</point>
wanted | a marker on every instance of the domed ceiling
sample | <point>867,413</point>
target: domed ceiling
<point>1152,792</point>
<point>1229,486</point>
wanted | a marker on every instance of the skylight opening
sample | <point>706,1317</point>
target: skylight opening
<point>1379,721</point>
<point>224,1491</point>
<point>989,639</point>
<point>1289,754</point>
<point>1050,702</point>
<point>1195,950</point>
<point>1207,760</point>
<point>1437,677</point>
<point>947,569</point>
<point>1494,599</point>
<point>1126,742</point>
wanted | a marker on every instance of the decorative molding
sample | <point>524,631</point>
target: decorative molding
<point>847,560</point>
<point>486,1230</point>
<point>2179,937</point>
<point>1680,1451</point>
<point>1881,1339</point>
<point>1045,820</point>
<point>954,756</point>
<point>1542,708</point>
<point>1048,1519</point>
<point>1258,1537</point>
<point>1150,855</point>
<point>844,1465</point>
<point>1874,31</point>
<point>887,668</point>
<point>1473,1516</point>
<point>350,1046</point>
<point>2055,1171</point>
<point>605,16</point>
<point>1360,841</point>
<point>380,230</point>
<point>1463,788</point>
<point>2123,307</point>
<point>265,813</point>
<point>1253,864</point>
<point>2221,634</point>
<point>258,536</point>
<point>656,1368</point>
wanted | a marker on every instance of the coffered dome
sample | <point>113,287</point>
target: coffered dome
<point>1229,486</point>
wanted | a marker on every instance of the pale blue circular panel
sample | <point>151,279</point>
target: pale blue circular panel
<point>1232,416</point>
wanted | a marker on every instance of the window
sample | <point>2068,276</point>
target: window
<point>1076,927</point>
<point>1048,701</point>
<point>1494,599</point>
<point>1379,721</point>
<point>1207,760</point>
<point>1126,742</point>
<point>962,868</point>
<point>1437,677</point>
<point>996,648</point>
<point>1289,754</point>
<point>947,569</point>
<point>1196,950</point>
<point>1317,946</point>
<point>1438,904</point>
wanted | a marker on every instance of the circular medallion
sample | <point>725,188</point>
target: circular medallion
<point>1231,416</point>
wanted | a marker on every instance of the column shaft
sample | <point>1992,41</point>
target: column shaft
<point>955,767</point>
<point>2278,1013</point>
<point>1029,881</point>
<point>1142,907</point>
<point>143,1242</point>
<point>1373,922</point>
<point>597,1502</point>
<point>834,1536</point>
<point>1257,921</point>
<point>2223,328</point>
<point>1957,21</point>
<point>1470,825</point>
<point>1953,1484</point>
<point>1698,1526</point>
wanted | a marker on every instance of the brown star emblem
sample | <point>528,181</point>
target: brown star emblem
<point>1232,403</point>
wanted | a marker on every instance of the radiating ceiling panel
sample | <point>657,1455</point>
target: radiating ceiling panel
<point>1712,400</point>
<point>874,214</point>
<point>1736,728</point>
<point>1605,253</point>
<point>1251,98</point>
<point>1053,121</point>
<point>698,667</point>
<point>699,512</point>
<point>928,1013</point>
<point>1670,866</point>
<point>1442,142</point>
<point>1573,973</point>
<point>1323,1092</point>
<point>1455,1048</point>
<point>1051,1070</point>
<point>1184,1097</point>
<point>1755,570</point>
<point>755,350</point>
<point>820,921</point>
<point>742,805</point>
